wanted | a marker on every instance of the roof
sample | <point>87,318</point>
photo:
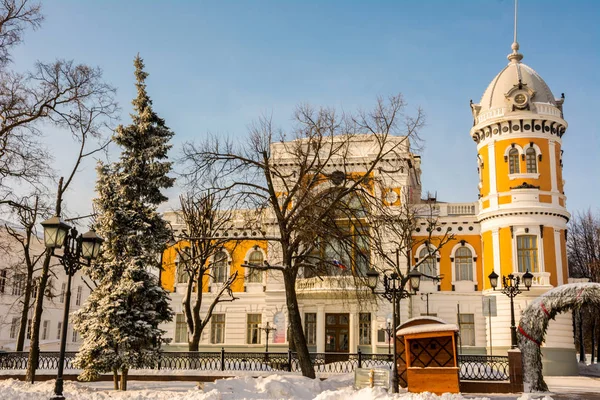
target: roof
<point>513,74</point>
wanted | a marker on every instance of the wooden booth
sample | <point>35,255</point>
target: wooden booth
<point>427,355</point>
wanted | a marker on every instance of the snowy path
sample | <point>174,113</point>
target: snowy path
<point>276,387</point>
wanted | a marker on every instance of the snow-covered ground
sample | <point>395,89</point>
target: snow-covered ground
<point>285,387</point>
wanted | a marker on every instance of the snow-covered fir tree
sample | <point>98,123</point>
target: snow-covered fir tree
<point>119,323</point>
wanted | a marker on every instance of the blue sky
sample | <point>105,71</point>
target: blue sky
<point>216,66</point>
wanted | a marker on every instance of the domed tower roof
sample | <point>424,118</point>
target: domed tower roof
<point>518,88</point>
<point>514,73</point>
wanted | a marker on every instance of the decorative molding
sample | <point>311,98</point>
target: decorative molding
<point>525,185</point>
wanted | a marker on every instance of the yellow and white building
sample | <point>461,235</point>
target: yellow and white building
<point>518,224</point>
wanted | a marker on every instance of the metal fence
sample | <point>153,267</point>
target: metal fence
<point>472,367</point>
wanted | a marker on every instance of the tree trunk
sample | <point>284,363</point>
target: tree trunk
<point>116,378</point>
<point>289,279</point>
<point>197,331</point>
<point>581,344</point>
<point>25,311</point>
<point>593,331</point>
<point>34,344</point>
<point>124,379</point>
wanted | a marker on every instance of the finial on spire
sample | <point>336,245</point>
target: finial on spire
<point>515,56</point>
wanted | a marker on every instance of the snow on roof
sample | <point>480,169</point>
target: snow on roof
<point>410,322</point>
<point>426,328</point>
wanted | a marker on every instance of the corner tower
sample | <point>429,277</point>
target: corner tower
<point>518,126</point>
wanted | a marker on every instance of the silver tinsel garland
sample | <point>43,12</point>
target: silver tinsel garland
<point>534,323</point>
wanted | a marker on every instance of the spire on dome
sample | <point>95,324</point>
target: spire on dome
<point>515,56</point>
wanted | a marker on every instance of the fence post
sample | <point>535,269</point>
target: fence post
<point>359,359</point>
<point>222,358</point>
<point>289,360</point>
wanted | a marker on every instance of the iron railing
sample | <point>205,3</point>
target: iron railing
<point>483,368</point>
<point>472,367</point>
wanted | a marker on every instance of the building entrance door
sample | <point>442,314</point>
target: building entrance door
<point>336,333</point>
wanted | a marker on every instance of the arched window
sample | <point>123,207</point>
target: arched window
<point>527,253</point>
<point>531,161</point>
<point>428,266</point>
<point>219,267</point>
<point>463,264</point>
<point>255,275</point>
<point>513,161</point>
<point>182,264</point>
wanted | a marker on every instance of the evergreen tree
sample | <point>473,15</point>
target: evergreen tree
<point>119,322</point>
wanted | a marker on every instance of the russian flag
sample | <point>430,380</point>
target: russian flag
<point>338,264</point>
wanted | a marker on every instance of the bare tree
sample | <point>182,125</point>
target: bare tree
<point>583,246</point>
<point>299,185</point>
<point>29,212</point>
<point>15,17</point>
<point>583,254</point>
<point>205,218</point>
<point>396,238</point>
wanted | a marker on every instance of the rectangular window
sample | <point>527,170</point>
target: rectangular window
<point>58,330</point>
<point>14,327</point>
<point>310,328</point>
<point>381,336</point>
<point>18,284</point>
<point>78,298</point>
<point>74,335</point>
<point>3,274</point>
<point>217,328</point>
<point>29,328</point>
<point>467,329</point>
<point>45,330</point>
<point>181,334</point>
<point>253,328</point>
<point>364,328</point>
<point>63,293</point>
<point>527,253</point>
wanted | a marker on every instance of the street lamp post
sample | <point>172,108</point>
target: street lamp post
<point>388,329</point>
<point>510,287</point>
<point>393,286</point>
<point>268,329</point>
<point>57,234</point>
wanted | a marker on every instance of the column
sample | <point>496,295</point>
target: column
<point>560,279</point>
<point>352,332</point>
<point>496,250</point>
<point>320,329</point>
<point>493,194</point>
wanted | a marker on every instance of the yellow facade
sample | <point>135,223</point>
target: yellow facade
<point>236,249</point>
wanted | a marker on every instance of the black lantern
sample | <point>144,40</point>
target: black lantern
<point>493,277</point>
<point>372,278</point>
<point>415,279</point>
<point>55,232</point>
<point>527,279</point>
<point>90,245</point>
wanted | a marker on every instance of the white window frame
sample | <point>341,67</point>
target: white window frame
<point>462,331</point>
<point>45,330</point>
<point>364,331</point>
<point>436,257</point>
<point>78,295</point>
<point>227,266</point>
<point>310,329</point>
<point>179,325</point>
<point>249,270</point>
<point>14,327</point>
<point>474,265</point>
<point>217,336</point>
<point>534,231</point>
<point>253,328</point>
